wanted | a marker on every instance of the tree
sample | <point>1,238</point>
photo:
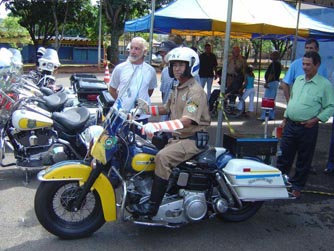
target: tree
<point>12,32</point>
<point>44,19</point>
<point>282,46</point>
<point>117,12</point>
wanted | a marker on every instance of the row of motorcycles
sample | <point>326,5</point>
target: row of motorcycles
<point>41,122</point>
<point>93,174</point>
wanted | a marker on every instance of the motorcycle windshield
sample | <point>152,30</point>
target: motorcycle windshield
<point>52,56</point>
<point>106,144</point>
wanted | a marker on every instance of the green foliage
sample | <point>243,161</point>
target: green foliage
<point>12,32</point>
<point>119,11</point>
<point>43,18</point>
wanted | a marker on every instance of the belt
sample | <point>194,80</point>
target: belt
<point>298,123</point>
<point>192,137</point>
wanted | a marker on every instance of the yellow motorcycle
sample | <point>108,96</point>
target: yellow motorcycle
<point>75,198</point>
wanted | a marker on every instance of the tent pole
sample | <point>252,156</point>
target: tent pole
<point>151,33</point>
<point>224,71</point>
<point>100,35</point>
<point>259,77</point>
<point>294,48</point>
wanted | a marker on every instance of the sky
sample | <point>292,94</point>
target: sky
<point>3,13</point>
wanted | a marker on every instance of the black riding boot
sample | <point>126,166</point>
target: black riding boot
<point>151,207</point>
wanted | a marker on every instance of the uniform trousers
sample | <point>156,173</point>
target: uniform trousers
<point>174,153</point>
<point>297,139</point>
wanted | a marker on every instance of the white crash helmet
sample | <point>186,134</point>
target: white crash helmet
<point>5,61</point>
<point>17,64</point>
<point>187,55</point>
<point>41,51</point>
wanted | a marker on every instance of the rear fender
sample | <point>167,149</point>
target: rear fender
<point>77,170</point>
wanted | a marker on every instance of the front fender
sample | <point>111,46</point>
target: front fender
<point>77,170</point>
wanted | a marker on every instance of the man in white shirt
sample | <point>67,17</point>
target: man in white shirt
<point>133,78</point>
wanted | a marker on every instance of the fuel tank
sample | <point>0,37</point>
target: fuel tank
<point>143,162</point>
<point>28,120</point>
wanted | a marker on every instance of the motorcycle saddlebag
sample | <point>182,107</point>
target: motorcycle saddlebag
<point>106,101</point>
<point>74,79</point>
<point>253,180</point>
<point>89,89</point>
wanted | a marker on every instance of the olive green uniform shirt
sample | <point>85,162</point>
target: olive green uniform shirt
<point>310,99</point>
<point>189,100</point>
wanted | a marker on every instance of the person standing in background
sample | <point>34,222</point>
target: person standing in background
<point>207,68</point>
<point>167,82</point>
<point>296,68</point>
<point>249,91</point>
<point>272,80</point>
<point>133,78</point>
<point>236,71</point>
<point>311,101</point>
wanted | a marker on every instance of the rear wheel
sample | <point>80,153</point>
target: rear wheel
<point>247,210</point>
<point>54,209</point>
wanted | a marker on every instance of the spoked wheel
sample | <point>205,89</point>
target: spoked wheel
<point>247,210</point>
<point>54,209</point>
<point>234,105</point>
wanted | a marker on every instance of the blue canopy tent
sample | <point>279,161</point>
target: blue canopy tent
<point>240,18</point>
<point>208,17</point>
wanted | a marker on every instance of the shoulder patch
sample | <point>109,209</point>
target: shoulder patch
<point>191,106</point>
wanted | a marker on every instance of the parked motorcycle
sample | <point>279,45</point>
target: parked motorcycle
<point>75,198</point>
<point>39,138</point>
<point>42,76</point>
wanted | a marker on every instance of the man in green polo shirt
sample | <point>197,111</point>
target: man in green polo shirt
<point>311,101</point>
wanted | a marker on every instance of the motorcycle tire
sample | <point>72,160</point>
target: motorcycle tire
<point>53,202</point>
<point>248,210</point>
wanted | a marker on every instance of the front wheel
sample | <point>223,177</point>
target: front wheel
<point>247,210</point>
<point>54,209</point>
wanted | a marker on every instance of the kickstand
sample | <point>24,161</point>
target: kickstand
<point>27,177</point>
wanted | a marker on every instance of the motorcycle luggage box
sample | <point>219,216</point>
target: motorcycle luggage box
<point>106,101</point>
<point>89,89</point>
<point>254,180</point>
<point>249,144</point>
<point>74,79</point>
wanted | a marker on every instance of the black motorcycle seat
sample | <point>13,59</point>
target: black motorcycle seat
<point>46,91</point>
<point>73,120</point>
<point>56,101</point>
<point>207,158</point>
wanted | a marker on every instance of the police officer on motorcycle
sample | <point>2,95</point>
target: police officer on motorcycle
<point>189,120</point>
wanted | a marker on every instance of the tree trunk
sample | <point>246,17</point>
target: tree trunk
<point>114,52</point>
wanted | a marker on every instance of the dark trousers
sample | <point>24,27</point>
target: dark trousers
<point>297,139</point>
<point>330,161</point>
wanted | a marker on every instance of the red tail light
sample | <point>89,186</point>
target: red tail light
<point>5,100</point>
<point>92,97</point>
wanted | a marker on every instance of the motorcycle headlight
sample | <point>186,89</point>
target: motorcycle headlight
<point>49,66</point>
<point>92,133</point>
